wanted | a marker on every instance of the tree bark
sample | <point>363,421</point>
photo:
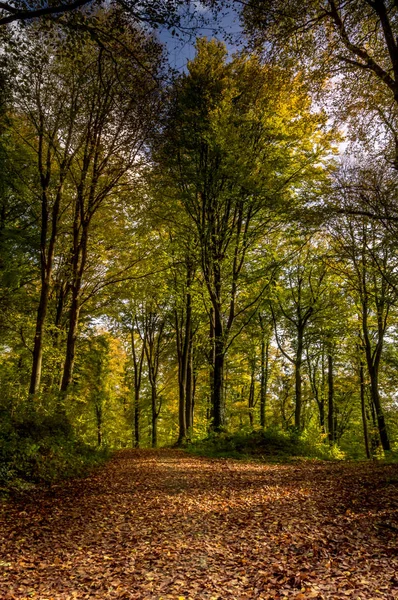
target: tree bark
<point>137,365</point>
<point>212,359</point>
<point>189,390</point>
<point>331,428</point>
<point>38,341</point>
<point>374,388</point>
<point>46,265</point>
<point>79,259</point>
<point>136,437</point>
<point>363,410</point>
<point>183,343</point>
<point>98,414</point>
<point>218,379</point>
<point>155,415</point>
<point>298,379</point>
<point>252,393</point>
<point>264,379</point>
<point>373,362</point>
<point>70,345</point>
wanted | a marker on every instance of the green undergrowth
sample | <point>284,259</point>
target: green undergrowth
<point>269,445</point>
<point>42,450</point>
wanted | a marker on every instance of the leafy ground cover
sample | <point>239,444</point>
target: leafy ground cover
<point>167,525</point>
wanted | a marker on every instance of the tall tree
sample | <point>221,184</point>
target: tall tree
<point>298,301</point>
<point>89,142</point>
<point>368,268</point>
<point>355,40</point>
<point>228,147</point>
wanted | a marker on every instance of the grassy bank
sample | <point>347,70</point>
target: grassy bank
<point>269,445</point>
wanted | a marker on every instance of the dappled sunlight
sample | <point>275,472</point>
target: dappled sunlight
<point>167,525</point>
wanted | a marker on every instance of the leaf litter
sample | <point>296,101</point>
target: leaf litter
<point>161,524</point>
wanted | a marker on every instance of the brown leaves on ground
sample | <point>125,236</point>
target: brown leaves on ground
<point>164,525</point>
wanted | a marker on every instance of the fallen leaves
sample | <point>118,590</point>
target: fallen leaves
<point>160,525</point>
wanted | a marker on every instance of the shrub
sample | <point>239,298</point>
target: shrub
<point>271,444</point>
<point>42,450</point>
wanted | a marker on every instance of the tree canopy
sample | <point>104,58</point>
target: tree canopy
<point>198,254</point>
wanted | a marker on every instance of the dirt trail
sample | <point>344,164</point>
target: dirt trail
<point>162,524</point>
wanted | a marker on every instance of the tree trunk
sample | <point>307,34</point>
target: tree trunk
<point>251,394</point>
<point>98,414</point>
<point>298,380</point>
<point>182,424</point>
<point>38,342</point>
<point>373,361</point>
<point>381,424</point>
<point>218,380</point>
<point>321,404</point>
<point>322,417</point>
<point>78,266</point>
<point>264,379</point>
<point>189,391</point>
<point>183,343</point>
<point>46,256</point>
<point>154,417</point>
<point>71,344</point>
<point>137,364</point>
<point>363,410</point>
<point>210,408</point>
<point>136,439</point>
<point>331,428</point>
<point>46,267</point>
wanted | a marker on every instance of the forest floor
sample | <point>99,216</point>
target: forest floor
<point>166,525</point>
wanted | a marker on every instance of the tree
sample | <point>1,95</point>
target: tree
<point>297,302</point>
<point>160,12</point>
<point>265,366</point>
<point>228,147</point>
<point>154,331</point>
<point>355,40</point>
<point>369,271</point>
<point>89,143</point>
<point>98,407</point>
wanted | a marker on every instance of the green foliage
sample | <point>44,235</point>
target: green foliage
<point>42,450</point>
<point>178,265</point>
<point>269,445</point>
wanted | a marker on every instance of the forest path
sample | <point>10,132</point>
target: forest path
<point>163,524</point>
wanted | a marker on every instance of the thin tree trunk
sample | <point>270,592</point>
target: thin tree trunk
<point>251,394</point>
<point>189,390</point>
<point>373,362</point>
<point>363,411</point>
<point>98,414</point>
<point>46,267</point>
<point>298,380</point>
<point>137,364</point>
<point>321,404</point>
<point>70,345</point>
<point>136,438</point>
<point>218,380</point>
<point>381,424</point>
<point>264,379</point>
<point>38,341</point>
<point>210,407</point>
<point>154,417</point>
<point>79,263</point>
<point>183,342</point>
<point>331,428</point>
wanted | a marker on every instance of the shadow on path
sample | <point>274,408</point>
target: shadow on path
<point>163,524</point>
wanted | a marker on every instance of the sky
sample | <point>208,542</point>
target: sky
<point>181,49</point>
